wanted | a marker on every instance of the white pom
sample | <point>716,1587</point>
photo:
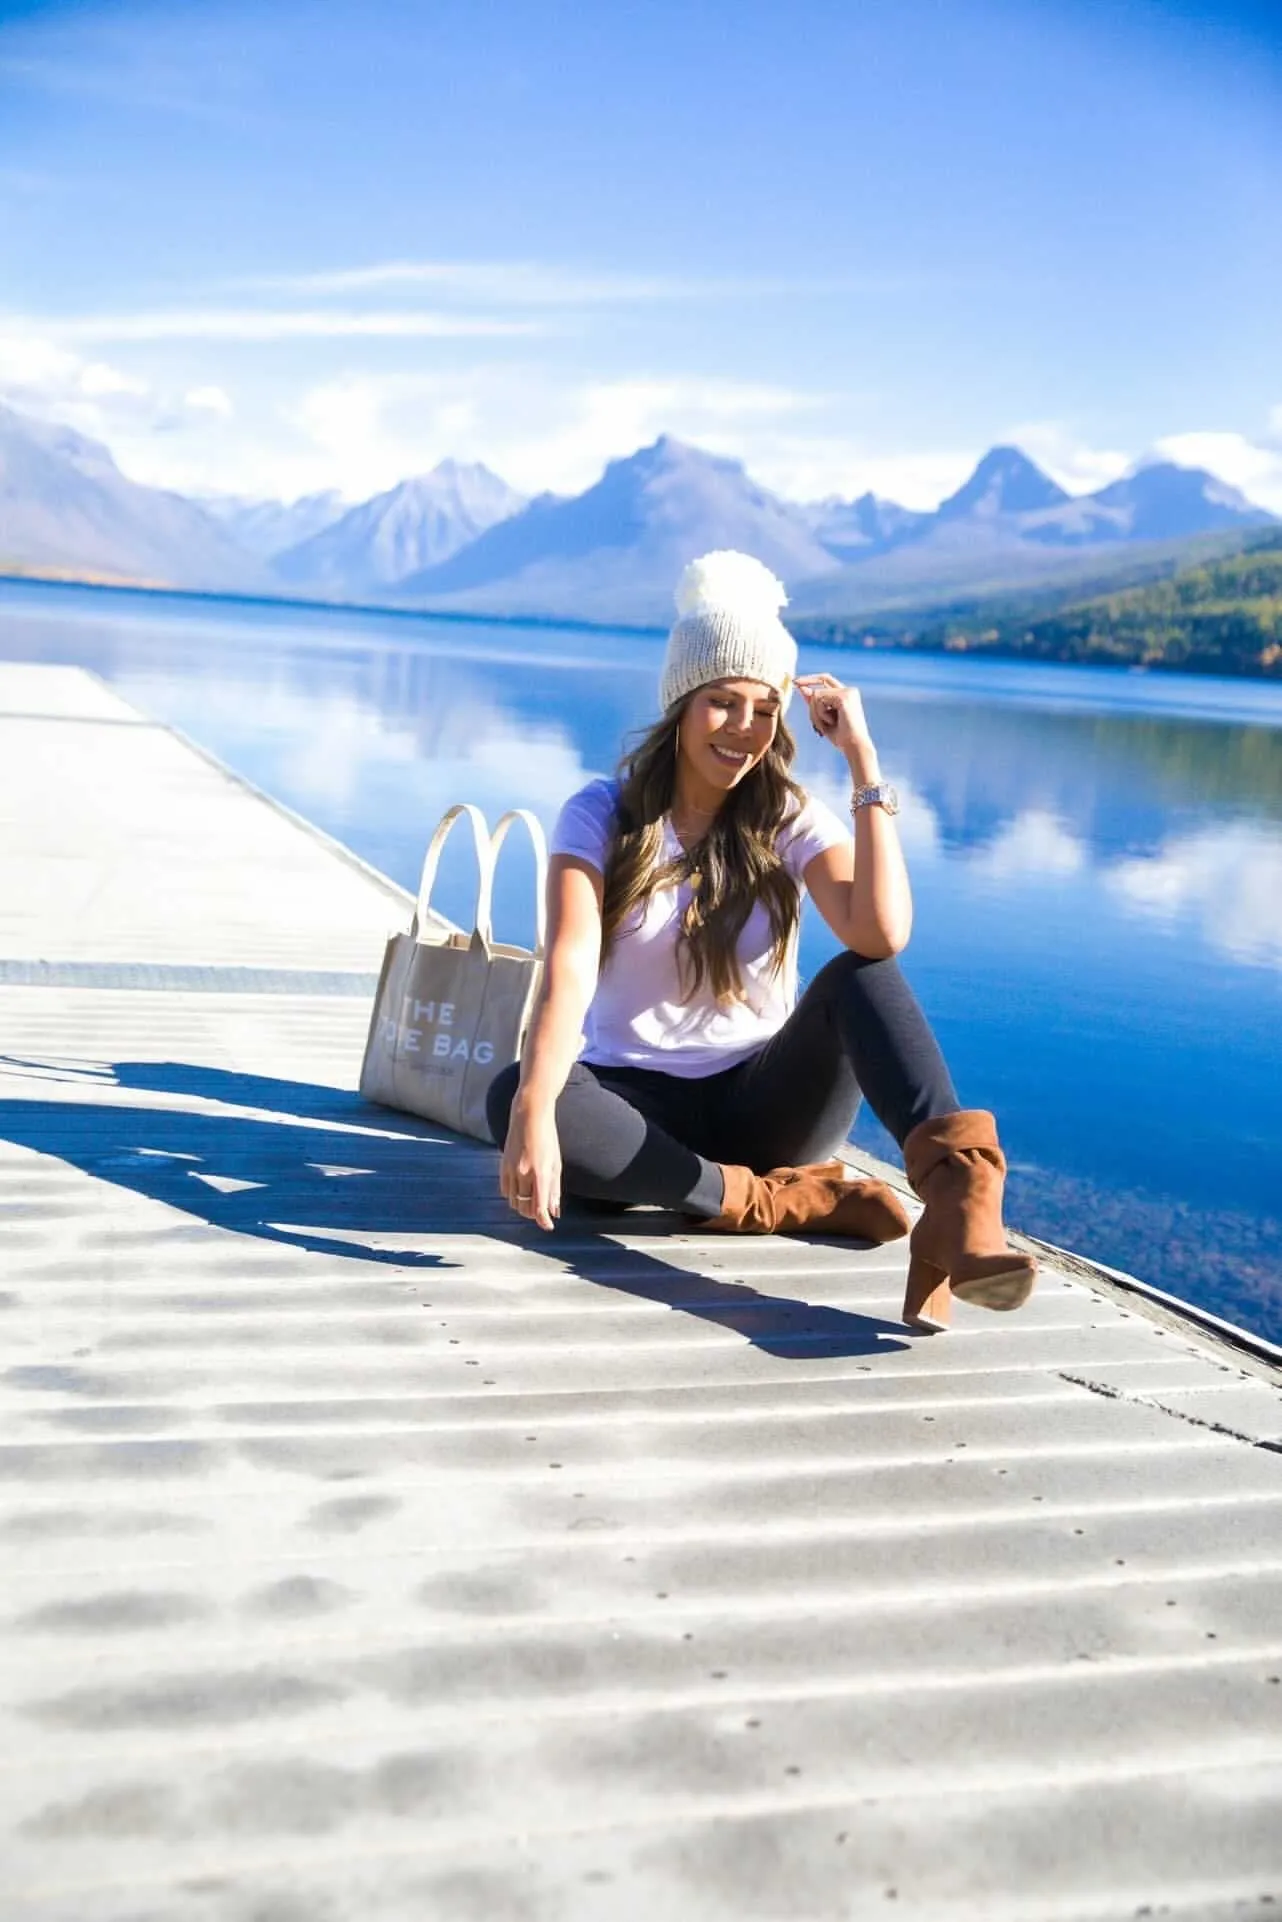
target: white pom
<point>729,580</point>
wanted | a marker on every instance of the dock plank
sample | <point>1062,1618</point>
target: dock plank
<point>370,1556</point>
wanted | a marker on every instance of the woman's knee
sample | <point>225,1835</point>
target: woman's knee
<point>499,1099</point>
<point>579,1083</point>
<point>859,973</point>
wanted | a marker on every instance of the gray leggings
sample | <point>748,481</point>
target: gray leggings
<point>637,1135</point>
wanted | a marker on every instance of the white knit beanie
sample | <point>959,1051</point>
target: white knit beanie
<point>727,628</point>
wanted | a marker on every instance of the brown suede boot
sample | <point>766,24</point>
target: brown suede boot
<point>955,1164</point>
<point>821,1199</point>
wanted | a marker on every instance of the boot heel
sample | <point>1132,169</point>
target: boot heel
<point>927,1298</point>
<point>995,1281</point>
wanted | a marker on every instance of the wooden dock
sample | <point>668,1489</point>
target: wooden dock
<point>370,1557</point>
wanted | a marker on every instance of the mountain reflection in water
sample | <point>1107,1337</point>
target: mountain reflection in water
<point>1097,862</point>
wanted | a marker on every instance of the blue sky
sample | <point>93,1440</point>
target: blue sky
<point>853,242</point>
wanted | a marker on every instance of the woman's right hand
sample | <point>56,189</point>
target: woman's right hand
<point>530,1170</point>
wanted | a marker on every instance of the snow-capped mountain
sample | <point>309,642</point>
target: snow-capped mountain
<point>1005,485</point>
<point>615,550</point>
<point>268,527</point>
<point>1161,501</point>
<point>852,530</point>
<point>65,504</point>
<point>459,537</point>
<point>1010,526</point>
<point>415,525</point>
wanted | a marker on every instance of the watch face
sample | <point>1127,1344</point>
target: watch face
<point>890,799</point>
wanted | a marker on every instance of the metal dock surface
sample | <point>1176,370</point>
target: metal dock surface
<point>370,1557</point>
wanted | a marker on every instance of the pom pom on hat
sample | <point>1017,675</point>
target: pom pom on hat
<point>730,580</point>
<point>727,628</point>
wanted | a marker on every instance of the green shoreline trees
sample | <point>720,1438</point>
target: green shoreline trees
<point>1220,616</point>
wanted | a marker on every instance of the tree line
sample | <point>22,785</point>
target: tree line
<point>1221,616</point>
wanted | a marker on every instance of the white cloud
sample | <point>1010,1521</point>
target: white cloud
<point>365,431</point>
<point>369,431</point>
<point>49,382</point>
<point>173,439</point>
<point>269,324</point>
<point>1227,878</point>
<point>38,370</point>
<point>98,381</point>
<point>602,420</point>
<point>1253,466</point>
<point>208,400</point>
<point>1072,462</point>
<point>326,762</point>
<point>543,431</point>
<point>535,284</point>
<point>917,820</point>
<point>366,426</point>
<point>473,749</point>
<point>805,469</point>
<point>548,759</point>
<point>1035,844</point>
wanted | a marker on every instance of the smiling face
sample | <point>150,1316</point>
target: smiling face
<point>726,729</point>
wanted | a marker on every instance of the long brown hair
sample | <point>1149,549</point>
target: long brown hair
<point>732,869</point>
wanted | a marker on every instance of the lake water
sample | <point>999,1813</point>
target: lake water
<point>1096,858</point>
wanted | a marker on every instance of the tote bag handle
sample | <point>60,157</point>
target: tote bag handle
<point>535,831</point>
<point>484,867</point>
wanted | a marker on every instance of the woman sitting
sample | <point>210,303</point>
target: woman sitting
<point>669,1060</point>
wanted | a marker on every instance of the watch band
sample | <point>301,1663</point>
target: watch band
<point>878,794</point>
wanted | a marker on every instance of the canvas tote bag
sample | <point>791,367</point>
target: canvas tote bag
<point>452,1007</point>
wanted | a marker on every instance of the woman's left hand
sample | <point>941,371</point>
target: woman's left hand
<point>836,712</point>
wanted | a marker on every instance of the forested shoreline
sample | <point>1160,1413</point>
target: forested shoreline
<point>1221,616</point>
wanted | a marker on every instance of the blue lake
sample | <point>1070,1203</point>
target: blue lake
<point>1096,858</point>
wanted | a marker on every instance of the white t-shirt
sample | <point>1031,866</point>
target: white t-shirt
<point>638,1017</point>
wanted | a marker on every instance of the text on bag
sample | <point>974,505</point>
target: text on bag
<point>417,1020</point>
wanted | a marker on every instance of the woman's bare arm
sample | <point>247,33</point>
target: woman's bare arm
<point>869,910</point>
<point>865,897</point>
<point>530,1171</point>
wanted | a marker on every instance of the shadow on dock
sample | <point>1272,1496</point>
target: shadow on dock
<point>318,1169</point>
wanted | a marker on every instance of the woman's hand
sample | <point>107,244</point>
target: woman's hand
<point>836,712</point>
<point>869,908</point>
<point>530,1171</point>
<point>530,1168</point>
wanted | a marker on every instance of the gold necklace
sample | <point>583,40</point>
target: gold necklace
<point>707,815</point>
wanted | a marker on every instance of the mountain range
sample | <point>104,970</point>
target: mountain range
<point>614,551</point>
<point>64,504</point>
<point>267,528</point>
<point>391,538</point>
<point>459,538</point>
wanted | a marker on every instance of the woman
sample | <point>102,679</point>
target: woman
<point>674,900</point>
